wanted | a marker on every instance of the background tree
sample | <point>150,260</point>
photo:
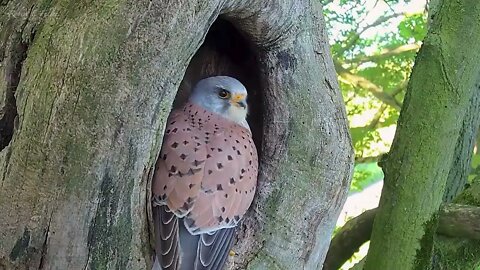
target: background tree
<point>417,167</point>
<point>85,92</point>
<point>389,25</point>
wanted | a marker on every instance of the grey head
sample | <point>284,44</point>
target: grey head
<point>222,95</point>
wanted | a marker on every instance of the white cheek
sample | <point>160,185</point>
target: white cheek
<point>237,114</point>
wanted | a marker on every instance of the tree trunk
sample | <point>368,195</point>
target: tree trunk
<point>453,220</point>
<point>462,158</point>
<point>452,253</point>
<point>88,88</point>
<point>417,167</point>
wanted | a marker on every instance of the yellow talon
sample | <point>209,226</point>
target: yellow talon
<point>232,253</point>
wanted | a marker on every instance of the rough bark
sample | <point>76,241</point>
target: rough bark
<point>417,167</point>
<point>446,253</point>
<point>92,84</point>
<point>459,221</point>
<point>462,158</point>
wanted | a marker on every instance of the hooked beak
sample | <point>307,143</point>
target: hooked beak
<point>238,100</point>
<point>242,104</point>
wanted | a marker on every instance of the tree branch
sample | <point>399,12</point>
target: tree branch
<point>355,35</point>
<point>368,159</point>
<point>349,239</point>
<point>459,221</point>
<point>400,87</point>
<point>427,149</point>
<point>384,54</point>
<point>455,220</point>
<point>376,119</point>
<point>359,81</point>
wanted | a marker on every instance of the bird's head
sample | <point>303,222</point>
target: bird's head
<point>223,95</point>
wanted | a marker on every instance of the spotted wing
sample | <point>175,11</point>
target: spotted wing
<point>179,169</point>
<point>229,182</point>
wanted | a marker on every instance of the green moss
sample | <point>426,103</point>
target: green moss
<point>80,29</point>
<point>110,233</point>
<point>471,196</point>
<point>424,254</point>
<point>45,5</point>
<point>457,254</point>
<point>263,261</point>
<point>21,246</point>
<point>76,153</point>
<point>70,66</point>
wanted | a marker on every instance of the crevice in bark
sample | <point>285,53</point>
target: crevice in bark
<point>45,246</point>
<point>148,211</point>
<point>21,247</point>
<point>227,51</point>
<point>13,72</point>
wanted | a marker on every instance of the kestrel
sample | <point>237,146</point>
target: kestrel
<point>205,177</point>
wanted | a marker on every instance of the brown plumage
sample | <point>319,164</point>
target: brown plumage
<point>204,182</point>
<point>207,169</point>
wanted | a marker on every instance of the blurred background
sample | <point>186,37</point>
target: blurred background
<point>374,43</point>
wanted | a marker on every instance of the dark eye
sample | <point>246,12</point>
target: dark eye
<point>224,94</point>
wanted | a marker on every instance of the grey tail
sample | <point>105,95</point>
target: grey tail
<point>166,238</point>
<point>208,251</point>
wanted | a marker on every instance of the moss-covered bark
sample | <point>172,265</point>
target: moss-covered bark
<point>459,253</point>
<point>462,158</point>
<point>417,167</point>
<point>453,253</point>
<point>97,82</point>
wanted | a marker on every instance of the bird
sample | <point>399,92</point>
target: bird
<point>205,177</point>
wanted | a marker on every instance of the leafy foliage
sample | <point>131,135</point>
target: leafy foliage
<point>374,46</point>
<point>368,172</point>
<point>475,173</point>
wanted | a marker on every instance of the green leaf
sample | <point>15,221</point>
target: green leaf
<point>364,175</point>
<point>344,19</point>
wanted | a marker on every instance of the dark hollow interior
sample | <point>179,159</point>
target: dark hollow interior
<point>227,51</point>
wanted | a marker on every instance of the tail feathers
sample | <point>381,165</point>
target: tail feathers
<point>207,251</point>
<point>177,249</point>
<point>214,256</point>
<point>166,238</point>
<point>156,264</point>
